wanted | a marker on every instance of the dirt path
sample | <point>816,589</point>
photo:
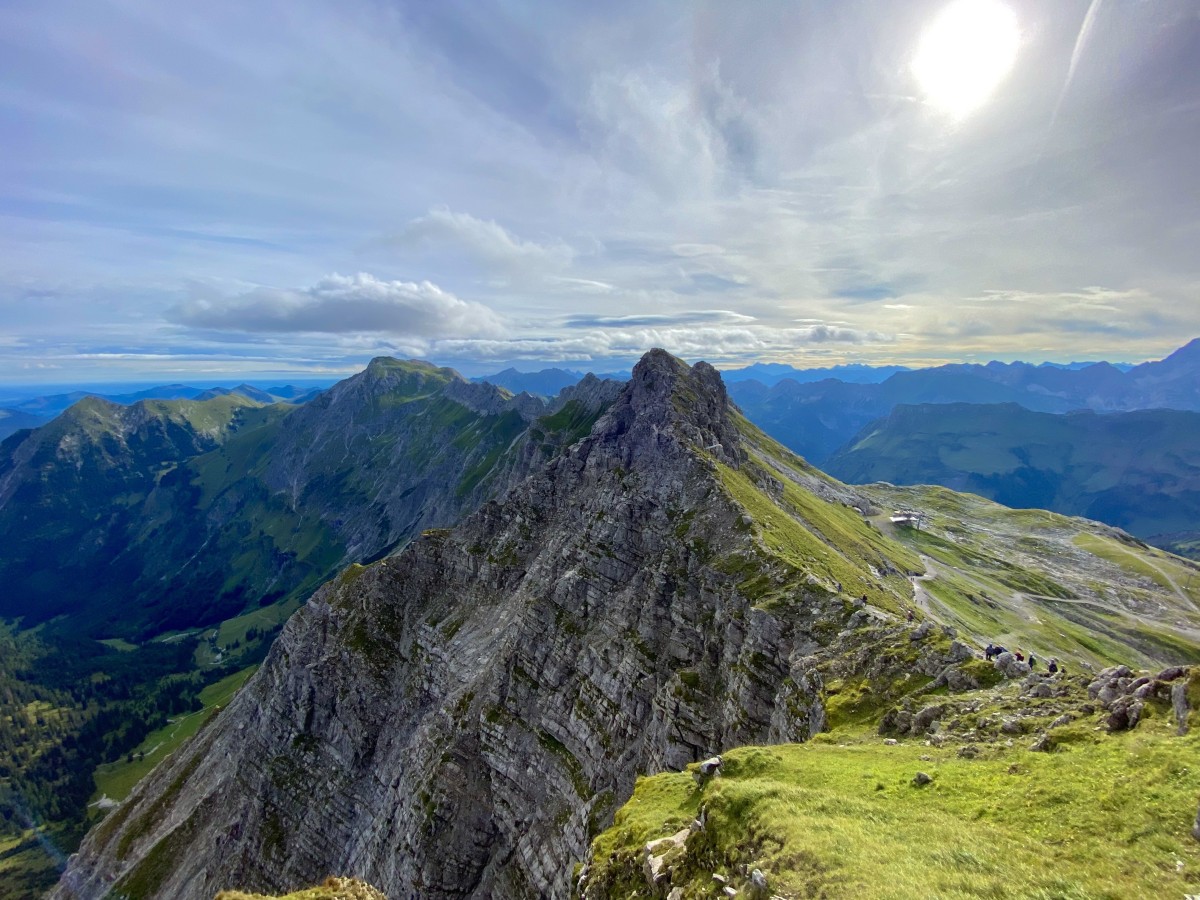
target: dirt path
<point>921,597</point>
<point>1167,577</point>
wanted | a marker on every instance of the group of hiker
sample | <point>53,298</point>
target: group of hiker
<point>991,651</point>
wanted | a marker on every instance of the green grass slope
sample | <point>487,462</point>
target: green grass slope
<point>1139,470</point>
<point>1105,817</point>
<point>1048,584</point>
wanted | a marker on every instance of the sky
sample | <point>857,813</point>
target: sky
<point>226,189</point>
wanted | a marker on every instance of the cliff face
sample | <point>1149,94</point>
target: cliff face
<point>458,720</point>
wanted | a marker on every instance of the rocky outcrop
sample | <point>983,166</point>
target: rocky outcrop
<point>458,720</point>
<point>1010,666</point>
<point>1124,694</point>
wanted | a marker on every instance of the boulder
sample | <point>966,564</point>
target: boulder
<point>921,779</point>
<point>1010,666</point>
<point>956,680</point>
<point>656,865</point>
<point>1042,744</point>
<point>960,652</point>
<point>710,767</point>
<point>927,718</point>
<point>922,631</point>
<point>1124,714</point>
<point>896,720</point>
<point>758,883</point>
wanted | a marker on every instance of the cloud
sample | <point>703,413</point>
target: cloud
<point>636,321</point>
<point>724,344</point>
<point>484,241</point>
<point>583,176</point>
<point>344,304</point>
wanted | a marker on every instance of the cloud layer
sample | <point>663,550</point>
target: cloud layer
<point>572,182</point>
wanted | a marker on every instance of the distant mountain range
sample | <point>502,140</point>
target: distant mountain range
<point>34,411</point>
<point>772,373</point>
<point>817,419</point>
<point>169,514</point>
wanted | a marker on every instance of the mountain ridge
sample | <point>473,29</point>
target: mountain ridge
<point>461,718</point>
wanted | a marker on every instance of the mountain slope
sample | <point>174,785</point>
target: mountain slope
<point>460,718</point>
<point>187,512</point>
<point>69,490</point>
<point>1139,471</point>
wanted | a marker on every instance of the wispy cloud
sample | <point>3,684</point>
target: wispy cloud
<point>484,241</point>
<point>575,179</point>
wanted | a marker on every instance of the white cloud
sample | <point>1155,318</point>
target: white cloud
<point>344,304</point>
<point>730,343</point>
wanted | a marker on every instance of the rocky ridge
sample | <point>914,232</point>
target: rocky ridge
<point>460,719</point>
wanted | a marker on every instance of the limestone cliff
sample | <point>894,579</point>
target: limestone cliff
<point>458,720</point>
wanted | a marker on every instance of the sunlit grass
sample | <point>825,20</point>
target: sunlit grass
<point>840,818</point>
<point>115,780</point>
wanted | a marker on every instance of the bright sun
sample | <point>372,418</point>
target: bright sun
<point>965,53</point>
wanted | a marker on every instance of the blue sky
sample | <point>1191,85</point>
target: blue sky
<point>222,189</point>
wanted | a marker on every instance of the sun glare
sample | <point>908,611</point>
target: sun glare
<point>965,53</point>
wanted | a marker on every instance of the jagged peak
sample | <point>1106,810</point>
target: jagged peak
<point>487,399</point>
<point>666,395</point>
<point>590,392</point>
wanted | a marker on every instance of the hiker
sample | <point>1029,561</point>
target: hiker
<point>988,652</point>
<point>910,615</point>
<point>1053,667</point>
<point>1031,662</point>
<point>1020,656</point>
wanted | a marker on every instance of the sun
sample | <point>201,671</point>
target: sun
<point>965,53</point>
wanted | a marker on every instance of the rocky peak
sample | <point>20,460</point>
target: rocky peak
<point>667,402</point>
<point>488,400</point>
<point>590,392</point>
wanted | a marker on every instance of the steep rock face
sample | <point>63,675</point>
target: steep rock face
<point>459,719</point>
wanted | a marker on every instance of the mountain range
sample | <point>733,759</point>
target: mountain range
<point>817,419</point>
<point>151,551</point>
<point>464,716</point>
